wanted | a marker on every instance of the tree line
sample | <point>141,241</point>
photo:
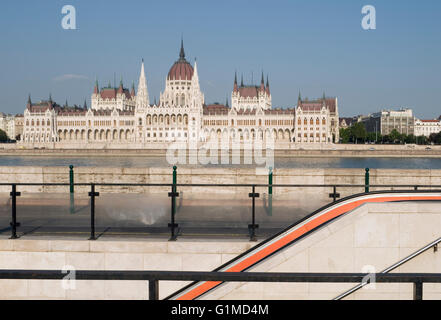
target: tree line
<point>357,133</point>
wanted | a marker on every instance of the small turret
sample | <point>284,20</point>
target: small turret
<point>96,89</point>
<point>132,91</point>
<point>267,86</point>
<point>120,88</point>
<point>235,82</point>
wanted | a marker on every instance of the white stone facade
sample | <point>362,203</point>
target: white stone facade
<point>426,127</point>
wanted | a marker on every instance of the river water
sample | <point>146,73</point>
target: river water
<point>131,161</point>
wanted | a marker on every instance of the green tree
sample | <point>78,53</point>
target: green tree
<point>358,132</point>
<point>409,139</point>
<point>394,136</point>
<point>3,136</point>
<point>345,135</point>
<point>435,138</point>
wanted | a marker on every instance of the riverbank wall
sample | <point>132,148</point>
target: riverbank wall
<point>297,176</point>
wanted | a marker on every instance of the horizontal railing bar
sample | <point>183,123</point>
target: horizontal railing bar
<point>222,276</point>
<point>225,185</point>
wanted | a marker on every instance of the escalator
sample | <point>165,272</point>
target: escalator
<point>299,230</point>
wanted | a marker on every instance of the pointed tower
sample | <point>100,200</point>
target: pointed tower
<point>267,86</point>
<point>96,89</point>
<point>241,80</point>
<point>120,88</point>
<point>235,81</point>
<point>132,91</point>
<point>226,102</point>
<point>262,83</point>
<point>85,104</point>
<point>142,97</point>
<point>195,78</point>
<point>182,52</point>
<point>29,104</point>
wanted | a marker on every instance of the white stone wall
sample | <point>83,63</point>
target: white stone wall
<point>107,255</point>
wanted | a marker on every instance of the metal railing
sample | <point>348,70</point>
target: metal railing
<point>433,244</point>
<point>174,194</point>
<point>153,277</point>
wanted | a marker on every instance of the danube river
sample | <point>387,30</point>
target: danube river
<point>132,161</point>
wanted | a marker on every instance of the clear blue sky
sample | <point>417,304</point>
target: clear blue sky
<point>308,45</point>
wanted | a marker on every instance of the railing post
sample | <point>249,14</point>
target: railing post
<point>153,289</point>
<point>92,195</point>
<point>334,195</point>
<point>71,179</point>
<point>418,290</point>
<point>14,224</point>
<point>270,191</point>
<point>253,226</point>
<point>366,180</point>
<point>71,189</point>
<point>173,194</point>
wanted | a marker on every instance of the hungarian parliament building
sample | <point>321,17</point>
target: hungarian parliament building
<point>123,118</point>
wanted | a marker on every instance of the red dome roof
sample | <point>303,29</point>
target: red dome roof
<point>181,70</point>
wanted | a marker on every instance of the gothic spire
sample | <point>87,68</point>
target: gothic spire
<point>121,88</point>
<point>142,96</point>
<point>195,78</point>
<point>267,85</point>
<point>29,99</point>
<point>300,97</point>
<point>182,52</point>
<point>235,81</point>
<point>241,80</point>
<point>96,89</point>
<point>85,104</point>
<point>226,103</point>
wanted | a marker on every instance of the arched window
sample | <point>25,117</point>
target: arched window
<point>183,100</point>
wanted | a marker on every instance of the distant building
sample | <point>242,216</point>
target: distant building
<point>317,121</point>
<point>387,120</point>
<point>7,124</point>
<point>427,127</point>
<point>19,119</point>
<point>347,122</point>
